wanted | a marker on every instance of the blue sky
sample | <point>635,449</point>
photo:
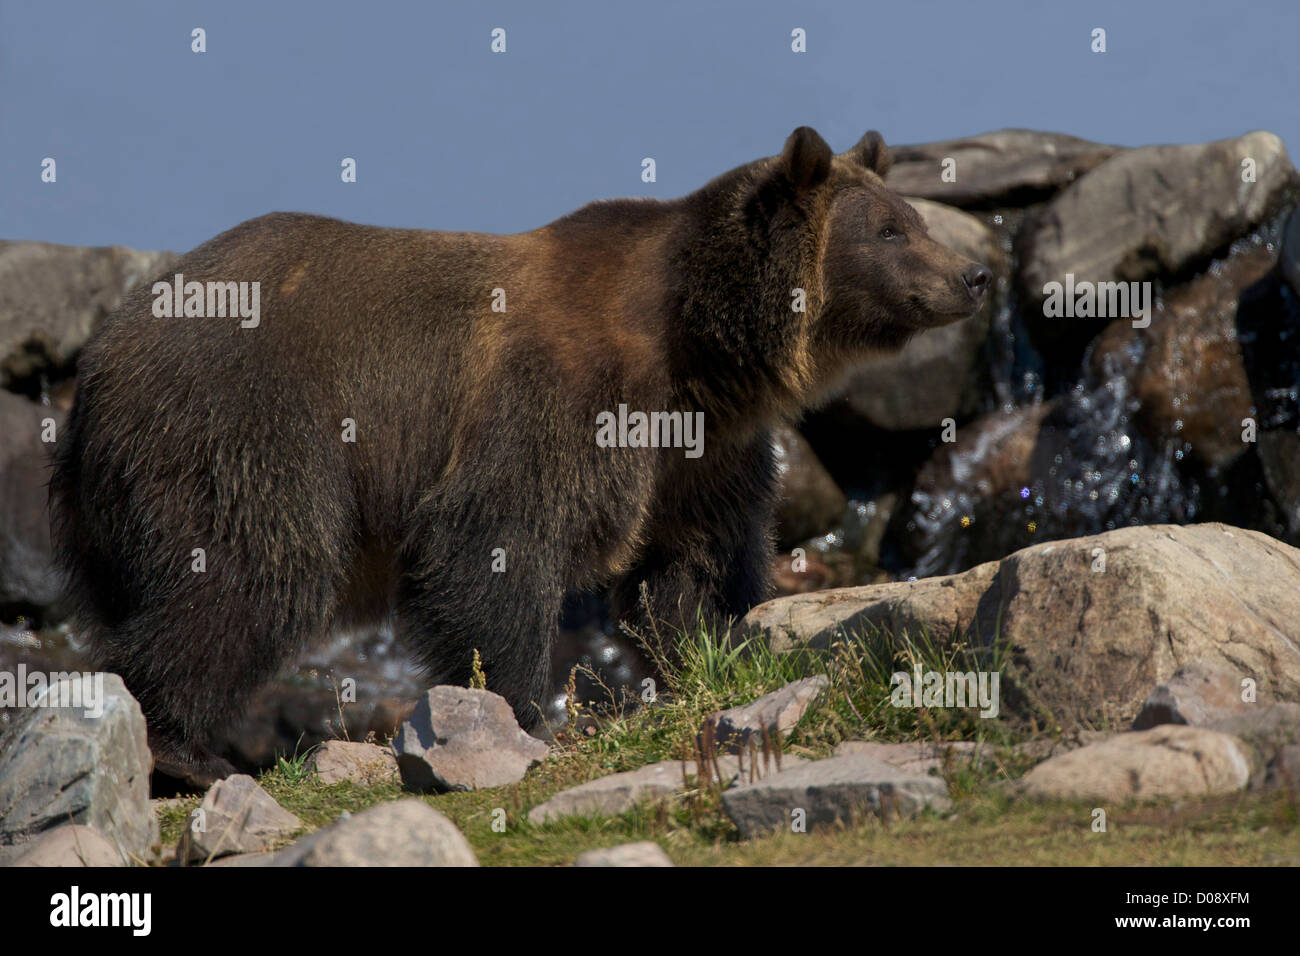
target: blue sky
<point>160,147</point>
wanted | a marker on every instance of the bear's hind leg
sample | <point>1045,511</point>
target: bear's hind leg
<point>193,646</point>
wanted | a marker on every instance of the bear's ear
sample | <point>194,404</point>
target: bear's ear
<point>872,153</point>
<point>806,159</point>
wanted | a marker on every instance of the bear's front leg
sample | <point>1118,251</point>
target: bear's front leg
<point>708,556</point>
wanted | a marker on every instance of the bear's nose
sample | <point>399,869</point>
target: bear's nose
<point>978,279</point>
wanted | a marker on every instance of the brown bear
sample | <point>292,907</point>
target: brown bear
<point>460,428</point>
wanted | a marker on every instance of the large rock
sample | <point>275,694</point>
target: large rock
<point>811,503</point>
<point>237,816</point>
<point>939,373</point>
<point>459,738</point>
<point>763,722</point>
<point>1004,167</point>
<point>59,765</point>
<point>405,832</point>
<point>836,790</point>
<point>645,853</point>
<point>27,575</point>
<point>1168,761</point>
<point>1090,643</point>
<point>1153,212</point>
<point>73,845</point>
<point>51,296</point>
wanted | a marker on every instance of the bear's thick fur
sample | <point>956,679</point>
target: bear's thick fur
<point>475,429</point>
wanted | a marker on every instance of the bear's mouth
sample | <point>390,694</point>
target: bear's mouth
<point>929,317</point>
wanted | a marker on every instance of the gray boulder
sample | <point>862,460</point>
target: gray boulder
<point>1154,212</point>
<point>59,765</point>
<point>826,792</point>
<point>1166,761</point>
<point>51,296</point>
<point>1095,621</point>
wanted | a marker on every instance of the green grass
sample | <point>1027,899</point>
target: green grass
<point>986,826</point>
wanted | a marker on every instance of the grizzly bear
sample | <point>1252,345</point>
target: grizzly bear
<point>460,428</point>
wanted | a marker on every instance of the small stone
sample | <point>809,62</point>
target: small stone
<point>362,763</point>
<point>733,730</point>
<point>619,792</point>
<point>644,853</point>
<point>237,816</point>
<point>460,738</point>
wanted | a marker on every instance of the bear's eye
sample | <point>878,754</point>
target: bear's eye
<point>889,232</point>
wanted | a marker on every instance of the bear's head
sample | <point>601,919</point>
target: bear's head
<point>878,276</point>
